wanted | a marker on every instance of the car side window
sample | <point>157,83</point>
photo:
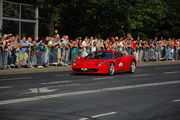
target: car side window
<point>117,55</point>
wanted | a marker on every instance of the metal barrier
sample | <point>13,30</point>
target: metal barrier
<point>151,54</point>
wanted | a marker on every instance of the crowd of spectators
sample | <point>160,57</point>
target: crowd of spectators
<point>54,50</point>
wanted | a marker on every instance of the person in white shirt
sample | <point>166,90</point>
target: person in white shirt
<point>85,45</point>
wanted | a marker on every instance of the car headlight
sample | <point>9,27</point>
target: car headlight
<point>101,63</point>
<point>74,63</point>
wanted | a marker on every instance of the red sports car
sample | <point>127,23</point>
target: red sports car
<point>105,62</point>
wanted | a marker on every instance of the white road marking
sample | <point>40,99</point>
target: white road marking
<point>43,97</point>
<point>141,75</point>
<point>172,67</point>
<point>105,114</point>
<point>5,87</point>
<point>63,85</point>
<point>159,68</point>
<point>16,78</point>
<point>40,90</point>
<point>165,68</point>
<point>100,115</point>
<point>103,78</point>
<point>176,100</point>
<point>62,75</point>
<point>172,72</point>
<point>83,118</point>
<point>47,89</point>
<point>55,82</point>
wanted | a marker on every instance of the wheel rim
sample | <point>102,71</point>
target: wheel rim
<point>133,67</point>
<point>111,69</point>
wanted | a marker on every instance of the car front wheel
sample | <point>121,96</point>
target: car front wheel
<point>111,69</point>
<point>132,67</point>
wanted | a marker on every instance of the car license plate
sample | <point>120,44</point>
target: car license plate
<point>84,69</point>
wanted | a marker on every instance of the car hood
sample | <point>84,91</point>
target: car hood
<point>90,61</point>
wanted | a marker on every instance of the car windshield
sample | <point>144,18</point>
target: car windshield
<point>99,55</point>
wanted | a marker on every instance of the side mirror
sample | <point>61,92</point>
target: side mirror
<point>119,58</point>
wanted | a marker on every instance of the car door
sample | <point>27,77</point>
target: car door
<point>118,58</point>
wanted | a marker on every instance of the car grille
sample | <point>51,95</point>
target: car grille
<point>88,70</point>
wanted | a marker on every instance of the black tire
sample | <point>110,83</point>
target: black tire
<point>111,69</point>
<point>132,67</point>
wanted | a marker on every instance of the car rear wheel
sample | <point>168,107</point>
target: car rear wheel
<point>132,67</point>
<point>111,69</point>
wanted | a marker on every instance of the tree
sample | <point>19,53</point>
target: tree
<point>145,18</point>
<point>170,26</point>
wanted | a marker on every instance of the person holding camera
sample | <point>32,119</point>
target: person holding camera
<point>24,50</point>
<point>7,51</point>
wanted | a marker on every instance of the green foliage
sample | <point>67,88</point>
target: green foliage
<point>144,18</point>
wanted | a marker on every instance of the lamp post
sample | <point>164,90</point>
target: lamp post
<point>1,17</point>
<point>37,21</point>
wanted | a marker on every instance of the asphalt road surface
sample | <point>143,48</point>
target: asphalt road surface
<point>152,93</point>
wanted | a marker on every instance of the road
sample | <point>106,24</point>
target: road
<point>152,93</point>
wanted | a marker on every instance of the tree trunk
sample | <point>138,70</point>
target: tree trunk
<point>52,22</point>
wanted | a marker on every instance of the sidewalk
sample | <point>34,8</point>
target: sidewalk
<point>68,68</point>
